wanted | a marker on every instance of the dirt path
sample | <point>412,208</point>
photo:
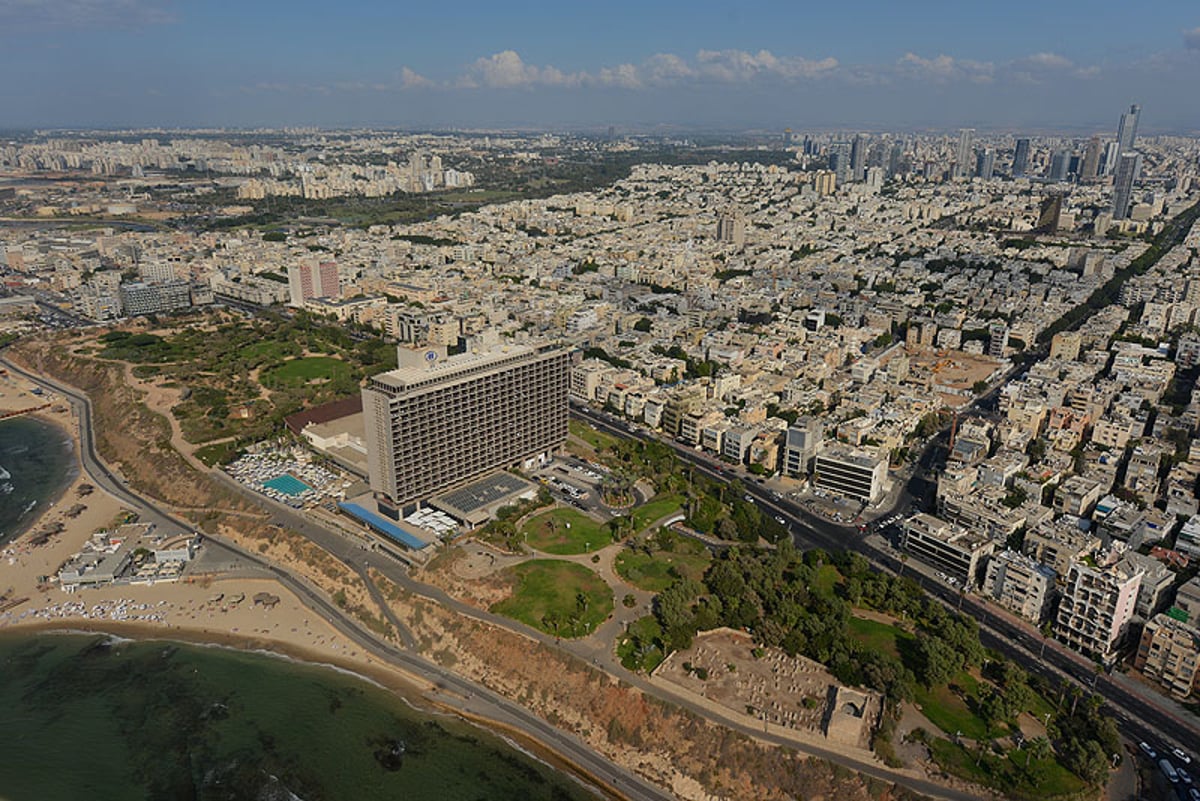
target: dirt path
<point>160,399</point>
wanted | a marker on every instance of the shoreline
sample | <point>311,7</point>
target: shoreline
<point>71,476</point>
<point>409,689</point>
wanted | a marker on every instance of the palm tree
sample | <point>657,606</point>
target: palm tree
<point>1038,747</point>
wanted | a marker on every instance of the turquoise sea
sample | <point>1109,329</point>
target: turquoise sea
<point>89,716</point>
<point>40,462</point>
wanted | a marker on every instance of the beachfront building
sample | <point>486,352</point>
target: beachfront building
<point>435,423</point>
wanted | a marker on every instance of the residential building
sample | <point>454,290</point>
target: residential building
<point>140,298</point>
<point>1188,539</point>
<point>1020,584</point>
<point>311,279</point>
<point>1060,543</point>
<point>801,443</point>
<point>1157,580</point>
<point>1187,600</point>
<point>1169,653</point>
<point>1077,496</point>
<point>1097,604</point>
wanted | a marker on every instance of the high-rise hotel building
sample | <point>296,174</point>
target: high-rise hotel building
<point>439,423</point>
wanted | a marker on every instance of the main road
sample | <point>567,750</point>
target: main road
<point>451,690</point>
<point>1138,717</point>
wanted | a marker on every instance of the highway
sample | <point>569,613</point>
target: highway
<point>1137,716</point>
<point>451,691</point>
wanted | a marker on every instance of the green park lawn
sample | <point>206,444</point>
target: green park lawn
<point>591,436</point>
<point>309,368</point>
<point>565,531</point>
<point>827,578</point>
<point>655,509</point>
<point>950,712</point>
<point>657,571</point>
<point>640,648</point>
<point>548,596</point>
<point>875,635</point>
<point>1041,778</point>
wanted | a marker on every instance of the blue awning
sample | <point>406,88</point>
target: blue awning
<point>383,526</point>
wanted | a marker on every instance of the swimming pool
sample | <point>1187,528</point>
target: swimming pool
<point>287,484</point>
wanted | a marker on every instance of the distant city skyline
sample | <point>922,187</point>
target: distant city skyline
<point>1071,66</point>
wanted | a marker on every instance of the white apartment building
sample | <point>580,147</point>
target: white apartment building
<point>1020,584</point>
<point>1096,607</point>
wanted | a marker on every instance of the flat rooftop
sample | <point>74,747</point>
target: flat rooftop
<point>440,369</point>
<point>472,502</point>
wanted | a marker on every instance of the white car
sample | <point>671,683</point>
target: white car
<point>1182,757</point>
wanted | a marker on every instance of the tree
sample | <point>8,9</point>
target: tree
<point>936,661</point>
<point>1038,748</point>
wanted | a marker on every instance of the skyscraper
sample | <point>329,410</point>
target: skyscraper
<point>1129,165</point>
<point>1110,158</point>
<point>1091,160</point>
<point>895,160</point>
<point>1059,165</point>
<point>858,157</point>
<point>1020,158</point>
<point>839,161</point>
<point>731,229</point>
<point>985,163</point>
<point>1127,129</point>
<point>962,156</point>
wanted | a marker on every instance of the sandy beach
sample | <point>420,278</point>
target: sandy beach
<point>179,610</point>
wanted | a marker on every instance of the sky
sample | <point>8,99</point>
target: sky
<point>641,66</point>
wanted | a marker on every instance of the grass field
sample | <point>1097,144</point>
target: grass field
<point>565,531</point>
<point>641,646</point>
<point>827,578</point>
<point>658,507</point>
<point>591,436</point>
<point>310,368</point>
<point>560,598</point>
<point>656,572</point>
<point>950,713</point>
<point>877,636</point>
<point>1042,778</point>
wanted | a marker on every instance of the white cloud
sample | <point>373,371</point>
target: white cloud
<point>506,70</point>
<point>1191,39</point>
<point>410,79</point>
<point>26,14</point>
<point>737,66</point>
<point>945,68</point>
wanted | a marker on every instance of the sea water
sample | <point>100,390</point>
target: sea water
<point>39,459</point>
<point>89,716</point>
